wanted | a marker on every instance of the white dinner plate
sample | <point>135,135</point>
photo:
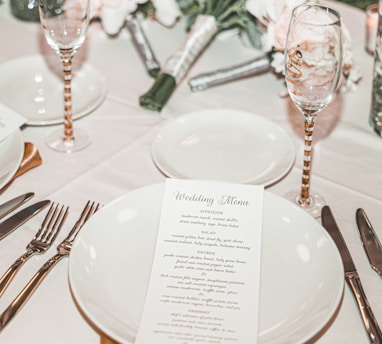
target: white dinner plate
<point>223,144</point>
<point>11,154</point>
<point>302,277</point>
<point>33,87</point>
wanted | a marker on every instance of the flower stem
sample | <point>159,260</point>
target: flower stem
<point>159,93</point>
<point>178,64</point>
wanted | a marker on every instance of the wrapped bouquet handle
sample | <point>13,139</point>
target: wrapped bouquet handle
<point>140,41</point>
<point>260,64</point>
<point>210,17</point>
<point>178,64</point>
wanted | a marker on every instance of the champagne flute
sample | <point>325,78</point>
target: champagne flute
<point>65,24</point>
<point>313,64</point>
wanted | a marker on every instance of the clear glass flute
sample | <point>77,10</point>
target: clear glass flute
<point>313,64</point>
<point>65,24</point>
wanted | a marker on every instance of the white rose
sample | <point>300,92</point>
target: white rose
<point>113,13</point>
<point>166,11</point>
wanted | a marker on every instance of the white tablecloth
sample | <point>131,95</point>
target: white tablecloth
<point>347,161</point>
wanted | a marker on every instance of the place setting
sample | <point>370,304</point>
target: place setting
<point>98,279</point>
<point>187,231</point>
<point>171,284</point>
<point>204,254</point>
<point>191,239</point>
<point>185,245</point>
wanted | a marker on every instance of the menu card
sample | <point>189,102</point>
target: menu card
<point>9,121</point>
<point>205,278</point>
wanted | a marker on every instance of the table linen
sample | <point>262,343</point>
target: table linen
<point>347,163</point>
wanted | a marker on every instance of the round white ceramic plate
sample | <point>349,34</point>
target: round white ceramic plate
<point>33,87</point>
<point>301,271</point>
<point>223,144</point>
<point>11,154</point>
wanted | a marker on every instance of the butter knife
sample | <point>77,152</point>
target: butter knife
<point>14,203</point>
<point>370,241</point>
<point>15,221</point>
<point>351,277</point>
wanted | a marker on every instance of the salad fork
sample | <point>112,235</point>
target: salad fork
<point>41,242</point>
<point>63,250</point>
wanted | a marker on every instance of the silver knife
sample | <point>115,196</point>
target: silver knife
<point>370,241</point>
<point>10,224</point>
<point>351,277</point>
<point>14,203</point>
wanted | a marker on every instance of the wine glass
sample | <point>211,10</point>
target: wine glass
<point>313,64</point>
<point>65,24</point>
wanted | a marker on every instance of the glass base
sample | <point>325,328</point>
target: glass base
<point>314,206</point>
<point>57,141</point>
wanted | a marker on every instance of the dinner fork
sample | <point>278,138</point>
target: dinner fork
<point>45,236</point>
<point>63,250</point>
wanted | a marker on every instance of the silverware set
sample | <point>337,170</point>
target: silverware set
<point>41,242</point>
<point>57,215</point>
<point>373,249</point>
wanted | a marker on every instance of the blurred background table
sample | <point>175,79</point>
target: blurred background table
<point>347,162</point>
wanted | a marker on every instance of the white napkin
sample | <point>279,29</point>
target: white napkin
<point>9,121</point>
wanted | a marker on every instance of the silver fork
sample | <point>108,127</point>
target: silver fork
<point>41,242</point>
<point>63,250</point>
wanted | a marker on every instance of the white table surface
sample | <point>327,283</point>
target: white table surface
<point>347,165</point>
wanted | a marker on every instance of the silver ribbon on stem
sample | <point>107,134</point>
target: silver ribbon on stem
<point>142,44</point>
<point>200,34</point>
<point>256,66</point>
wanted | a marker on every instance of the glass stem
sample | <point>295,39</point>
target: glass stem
<point>68,123</point>
<point>304,198</point>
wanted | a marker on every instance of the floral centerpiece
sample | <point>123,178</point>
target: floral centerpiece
<point>113,13</point>
<point>206,18</point>
<point>264,22</point>
<point>117,14</point>
<point>272,18</point>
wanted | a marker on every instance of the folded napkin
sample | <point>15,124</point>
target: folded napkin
<point>9,121</point>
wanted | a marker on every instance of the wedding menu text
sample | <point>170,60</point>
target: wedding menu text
<point>205,278</point>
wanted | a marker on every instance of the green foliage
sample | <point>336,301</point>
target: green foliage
<point>361,4</point>
<point>147,9</point>
<point>228,13</point>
